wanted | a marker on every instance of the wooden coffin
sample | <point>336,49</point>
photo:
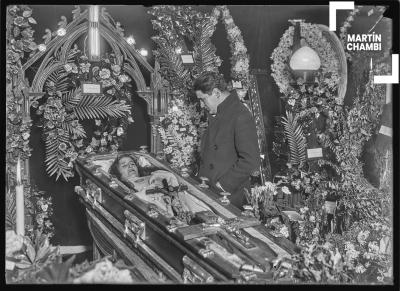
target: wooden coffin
<point>219,244</point>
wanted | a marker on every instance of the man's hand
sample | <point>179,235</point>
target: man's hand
<point>157,177</point>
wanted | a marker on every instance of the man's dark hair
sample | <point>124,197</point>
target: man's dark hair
<point>207,81</point>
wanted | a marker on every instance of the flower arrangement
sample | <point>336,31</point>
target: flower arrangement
<point>179,134</point>
<point>310,99</point>
<point>239,58</point>
<point>279,229</point>
<point>182,126</point>
<point>340,246</point>
<point>41,209</point>
<point>19,42</point>
<point>36,261</point>
<point>66,106</point>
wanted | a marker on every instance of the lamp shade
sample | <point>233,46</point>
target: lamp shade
<point>305,58</point>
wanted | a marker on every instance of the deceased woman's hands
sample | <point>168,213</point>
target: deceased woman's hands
<point>157,176</point>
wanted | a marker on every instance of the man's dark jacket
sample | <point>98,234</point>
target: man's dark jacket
<point>229,149</point>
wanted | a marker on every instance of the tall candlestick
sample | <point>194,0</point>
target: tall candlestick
<point>370,65</point>
<point>388,93</point>
<point>19,202</point>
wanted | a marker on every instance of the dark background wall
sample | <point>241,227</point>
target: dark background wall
<point>261,26</point>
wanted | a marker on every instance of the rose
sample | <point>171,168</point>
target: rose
<point>85,67</point>
<point>116,69</point>
<point>373,247</point>
<point>286,190</point>
<point>104,74</point>
<point>362,237</point>
<point>19,20</point>
<point>44,207</point>
<point>62,146</point>
<point>123,78</point>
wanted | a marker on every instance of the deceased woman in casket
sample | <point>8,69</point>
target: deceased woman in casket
<point>125,168</point>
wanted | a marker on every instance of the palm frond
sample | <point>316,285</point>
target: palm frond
<point>10,210</point>
<point>71,97</point>
<point>171,64</point>
<point>100,107</point>
<point>204,50</point>
<point>77,130</point>
<point>55,163</point>
<point>60,79</point>
<point>296,139</point>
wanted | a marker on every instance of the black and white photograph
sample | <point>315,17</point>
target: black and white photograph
<point>163,144</point>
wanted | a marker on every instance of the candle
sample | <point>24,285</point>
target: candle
<point>370,64</point>
<point>19,202</point>
<point>388,93</point>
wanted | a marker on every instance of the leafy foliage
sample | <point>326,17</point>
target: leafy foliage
<point>10,210</point>
<point>66,106</point>
<point>296,139</point>
<point>181,128</point>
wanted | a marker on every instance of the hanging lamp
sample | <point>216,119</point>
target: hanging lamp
<point>304,61</point>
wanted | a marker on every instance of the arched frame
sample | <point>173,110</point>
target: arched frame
<point>55,56</point>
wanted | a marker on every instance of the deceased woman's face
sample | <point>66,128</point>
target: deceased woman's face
<point>127,168</point>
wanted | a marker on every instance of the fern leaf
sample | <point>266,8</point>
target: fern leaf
<point>296,139</point>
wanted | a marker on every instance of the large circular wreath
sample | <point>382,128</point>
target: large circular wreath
<point>324,90</point>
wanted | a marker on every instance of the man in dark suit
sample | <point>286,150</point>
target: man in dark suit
<point>229,150</point>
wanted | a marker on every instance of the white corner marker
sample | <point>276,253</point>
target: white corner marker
<point>337,5</point>
<point>394,78</point>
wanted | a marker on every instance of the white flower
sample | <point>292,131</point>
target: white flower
<point>303,210</point>
<point>351,254</point>
<point>240,48</point>
<point>362,237</point>
<point>291,102</point>
<point>284,231</point>
<point>315,231</point>
<point>360,269</point>
<point>233,32</point>
<point>123,78</point>
<point>116,69</point>
<point>104,74</point>
<point>312,218</point>
<point>373,247</point>
<point>85,67</point>
<point>44,207</point>
<point>286,190</point>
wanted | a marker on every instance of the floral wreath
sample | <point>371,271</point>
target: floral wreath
<point>311,99</point>
<point>239,58</point>
<point>62,111</point>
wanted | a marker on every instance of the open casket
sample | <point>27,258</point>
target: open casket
<point>215,243</point>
